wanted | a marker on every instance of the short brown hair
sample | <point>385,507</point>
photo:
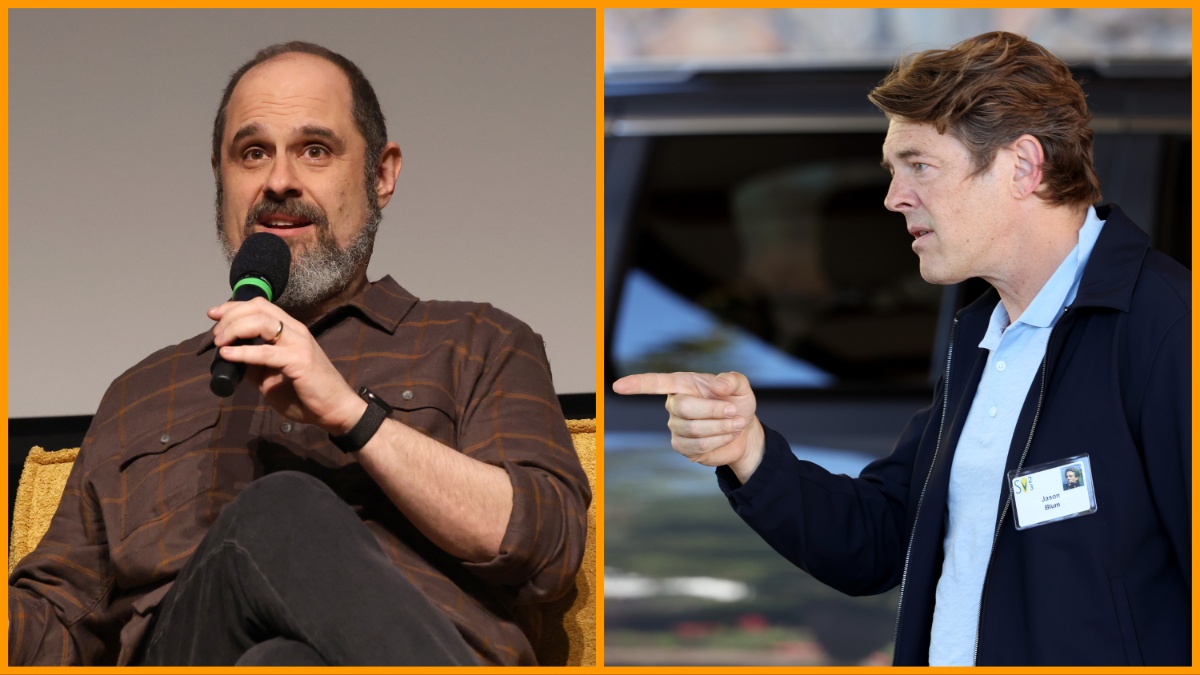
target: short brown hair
<point>987,91</point>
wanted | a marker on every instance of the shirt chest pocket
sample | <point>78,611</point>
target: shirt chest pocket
<point>165,468</point>
<point>428,408</point>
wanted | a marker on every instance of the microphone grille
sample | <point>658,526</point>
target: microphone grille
<point>266,256</point>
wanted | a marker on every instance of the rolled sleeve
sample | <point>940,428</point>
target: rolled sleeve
<point>515,422</point>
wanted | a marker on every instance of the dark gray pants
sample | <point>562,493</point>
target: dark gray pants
<point>288,575</point>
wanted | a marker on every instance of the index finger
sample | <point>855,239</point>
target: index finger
<point>659,383</point>
<point>248,306</point>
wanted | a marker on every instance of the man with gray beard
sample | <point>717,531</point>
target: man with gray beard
<point>394,483</point>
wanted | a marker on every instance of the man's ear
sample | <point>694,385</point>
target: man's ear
<point>216,169</point>
<point>386,173</point>
<point>1027,177</point>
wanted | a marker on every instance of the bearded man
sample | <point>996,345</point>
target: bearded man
<point>394,483</point>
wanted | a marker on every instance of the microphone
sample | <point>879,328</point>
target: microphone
<point>259,270</point>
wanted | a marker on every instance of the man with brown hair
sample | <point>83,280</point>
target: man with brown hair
<point>1081,350</point>
<point>393,484</point>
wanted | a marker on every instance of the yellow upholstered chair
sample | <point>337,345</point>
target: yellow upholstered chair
<point>569,630</point>
<point>41,487</point>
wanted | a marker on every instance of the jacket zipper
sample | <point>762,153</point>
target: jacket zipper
<point>1000,523</point>
<point>921,500</point>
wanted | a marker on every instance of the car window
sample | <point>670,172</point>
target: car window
<point>773,255</point>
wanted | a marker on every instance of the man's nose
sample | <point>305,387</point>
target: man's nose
<point>282,182</point>
<point>899,196</point>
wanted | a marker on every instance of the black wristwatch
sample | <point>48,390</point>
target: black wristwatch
<point>368,424</point>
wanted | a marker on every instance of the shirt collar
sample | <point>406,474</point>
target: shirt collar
<point>1059,290</point>
<point>383,303</point>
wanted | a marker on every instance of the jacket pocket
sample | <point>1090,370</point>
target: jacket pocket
<point>1133,652</point>
<point>165,468</point>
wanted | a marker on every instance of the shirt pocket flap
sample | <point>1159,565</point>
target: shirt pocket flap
<point>167,434</point>
<point>424,406</point>
<point>164,469</point>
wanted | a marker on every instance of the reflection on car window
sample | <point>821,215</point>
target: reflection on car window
<point>685,336</point>
<point>774,255</point>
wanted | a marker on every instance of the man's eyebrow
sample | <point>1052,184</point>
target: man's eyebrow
<point>903,154</point>
<point>325,133</point>
<point>309,131</point>
<point>248,130</point>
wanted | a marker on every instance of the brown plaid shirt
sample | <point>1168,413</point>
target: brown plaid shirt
<point>164,455</point>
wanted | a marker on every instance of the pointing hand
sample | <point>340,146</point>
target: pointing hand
<point>712,420</point>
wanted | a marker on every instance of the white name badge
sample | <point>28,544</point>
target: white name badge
<point>1054,491</point>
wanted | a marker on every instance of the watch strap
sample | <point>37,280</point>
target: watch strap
<point>362,432</point>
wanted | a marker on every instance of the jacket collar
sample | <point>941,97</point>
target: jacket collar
<point>1116,261</point>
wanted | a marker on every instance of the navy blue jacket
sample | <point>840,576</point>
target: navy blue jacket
<point>1109,588</point>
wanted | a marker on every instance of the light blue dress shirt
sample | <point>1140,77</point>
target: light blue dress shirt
<point>1015,353</point>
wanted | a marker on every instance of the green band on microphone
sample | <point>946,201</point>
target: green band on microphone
<point>255,281</point>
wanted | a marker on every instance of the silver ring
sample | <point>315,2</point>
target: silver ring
<point>279,332</point>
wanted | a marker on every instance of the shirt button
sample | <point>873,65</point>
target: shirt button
<point>165,438</point>
<point>285,427</point>
<point>992,412</point>
<point>1000,365</point>
<point>407,395</point>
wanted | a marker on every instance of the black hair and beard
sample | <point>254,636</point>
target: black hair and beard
<point>321,270</point>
